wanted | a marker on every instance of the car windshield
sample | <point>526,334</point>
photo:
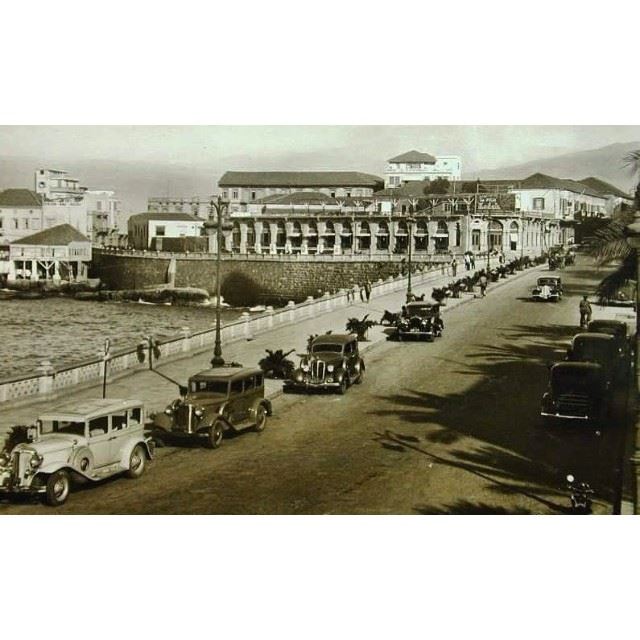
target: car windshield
<point>209,386</point>
<point>594,350</point>
<point>326,347</point>
<point>610,329</point>
<point>61,426</point>
<point>423,312</point>
<point>549,282</point>
<point>576,378</point>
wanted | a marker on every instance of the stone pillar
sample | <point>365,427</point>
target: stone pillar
<point>45,381</point>
<point>186,339</point>
<point>258,226</point>
<point>56,271</point>
<point>34,270</point>
<point>243,237</point>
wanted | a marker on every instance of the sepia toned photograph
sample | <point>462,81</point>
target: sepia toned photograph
<point>318,319</point>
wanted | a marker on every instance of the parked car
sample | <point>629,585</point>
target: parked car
<point>577,391</point>
<point>216,401</point>
<point>619,331</point>
<point>548,288</point>
<point>85,442</point>
<point>420,320</point>
<point>333,361</point>
<point>599,348</point>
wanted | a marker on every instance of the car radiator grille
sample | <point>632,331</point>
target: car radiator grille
<point>318,369</point>
<point>574,403</point>
<point>183,417</point>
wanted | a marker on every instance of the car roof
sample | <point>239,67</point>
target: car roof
<point>225,373</point>
<point>335,338</point>
<point>576,365</point>
<point>548,278</point>
<point>608,323</point>
<point>420,303</point>
<point>88,409</point>
<point>594,336</point>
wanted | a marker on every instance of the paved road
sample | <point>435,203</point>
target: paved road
<point>449,427</point>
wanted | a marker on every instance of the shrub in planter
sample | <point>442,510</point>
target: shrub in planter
<point>360,326</point>
<point>276,365</point>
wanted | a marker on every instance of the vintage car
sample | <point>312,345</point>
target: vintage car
<point>619,331</point>
<point>599,348</point>
<point>332,362</point>
<point>85,442</point>
<point>216,401</point>
<point>576,391</point>
<point>547,288</point>
<point>420,320</point>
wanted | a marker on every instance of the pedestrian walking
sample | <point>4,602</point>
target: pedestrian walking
<point>472,260</point>
<point>454,267</point>
<point>585,312</point>
<point>367,289</point>
<point>467,262</point>
<point>362,293</point>
<point>483,284</point>
<point>354,292</point>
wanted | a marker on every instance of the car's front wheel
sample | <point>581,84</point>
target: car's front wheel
<point>360,377</point>
<point>215,435</point>
<point>344,385</point>
<point>261,418</point>
<point>58,488</point>
<point>137,462</point>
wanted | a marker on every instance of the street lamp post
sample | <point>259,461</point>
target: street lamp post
<point>632,233</point>
<point>410,221</point>
<point>218,206</point>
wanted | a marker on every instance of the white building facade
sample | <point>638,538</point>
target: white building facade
<point>145,228</point>
<point>417,166</point>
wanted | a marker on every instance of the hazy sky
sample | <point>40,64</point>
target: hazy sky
<point>303,147</point>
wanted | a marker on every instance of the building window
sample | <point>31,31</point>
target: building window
<point>234,195</point>
<point>475,238</point>
<point>253,195</point>
<point>15,223</point>
<point>538,204</point>
<point>160,230</point>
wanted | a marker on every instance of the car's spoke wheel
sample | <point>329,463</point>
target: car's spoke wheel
<point>261,418</point>
<point>137,462</point>
<point>58,488</point>
<point>215,435</point>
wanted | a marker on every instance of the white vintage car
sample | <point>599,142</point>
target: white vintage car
<point>91,441</point>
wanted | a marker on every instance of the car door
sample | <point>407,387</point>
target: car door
<point>99,441</point>
<point>119,433</point>
<point>351,354</point>
<point>238,408</point>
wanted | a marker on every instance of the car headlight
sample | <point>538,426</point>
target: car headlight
<point>330,368</point>
<point>304,367</point>
<point>168,411</point>
<point>198,413</point>
<point>36,461</point>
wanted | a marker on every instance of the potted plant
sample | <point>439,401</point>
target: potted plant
<point>276,365</point>
<point>360,327</point>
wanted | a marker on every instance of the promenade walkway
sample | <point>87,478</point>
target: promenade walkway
<point>156,392</point>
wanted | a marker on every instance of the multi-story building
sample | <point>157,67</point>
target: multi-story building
<point>417,166</point>
<point>21,213</point>
<point>103,209</point>
<point>616,198</point>
<point>241,188</point>
<point>147,230</point>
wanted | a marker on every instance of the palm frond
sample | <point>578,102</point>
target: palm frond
<point>609,287</point>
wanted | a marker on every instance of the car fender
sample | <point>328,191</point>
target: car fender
<point>48,469</point>
<point>76,461</point>
<point>130,444</point>
<point>264,403</point>
<point>210,421</point>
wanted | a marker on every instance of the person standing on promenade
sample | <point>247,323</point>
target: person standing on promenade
<point>472,260</point>
<point>367,289</point>
<point>483,284</point>
<point>454,267</point>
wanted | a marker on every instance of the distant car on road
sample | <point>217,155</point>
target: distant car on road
<point>576,391</point>
<point>333,361</point>
<point>216,401</point>
<point>83,442</point>
<point>548,288</point>
<point>420,320</point>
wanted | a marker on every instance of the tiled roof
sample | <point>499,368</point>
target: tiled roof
<point>299,179</point>
<point>605,187</point>
<point>162,215</point>
<point>414,156</point>
<point>297,197</point>
<point>542,181</point>
<point>58,236</point>
<point>19,198</point>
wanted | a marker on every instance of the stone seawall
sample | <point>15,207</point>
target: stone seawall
<point>245,280</point>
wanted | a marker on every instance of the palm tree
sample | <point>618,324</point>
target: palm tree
<point>611,245</point>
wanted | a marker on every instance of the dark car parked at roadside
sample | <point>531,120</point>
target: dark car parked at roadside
<point>577,391</point>
<point>619,331</point>
<point>599,348</point>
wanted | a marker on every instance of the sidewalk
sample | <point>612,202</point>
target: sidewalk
<point>156,392</point>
